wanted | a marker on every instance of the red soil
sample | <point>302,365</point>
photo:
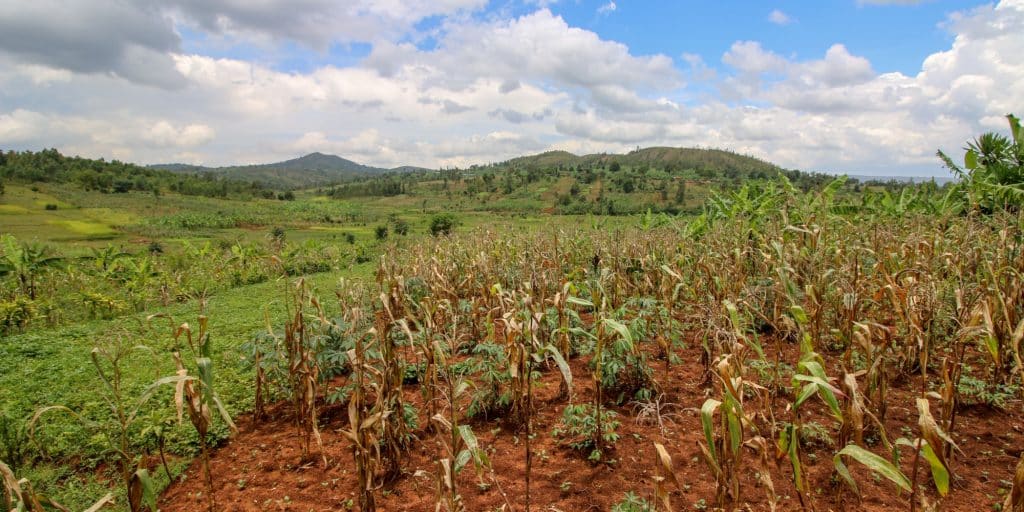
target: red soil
<point>260,468</point>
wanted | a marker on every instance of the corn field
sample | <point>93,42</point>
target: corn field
<point>782,351</point>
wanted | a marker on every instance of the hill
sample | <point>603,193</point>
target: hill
<point>704,161</point>
<point>312,170</point>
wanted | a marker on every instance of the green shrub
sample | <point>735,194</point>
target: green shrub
<point>16,313</point>
<point>442,224</point>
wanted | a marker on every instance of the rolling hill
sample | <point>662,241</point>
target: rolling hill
<point>312,170</point>
<point>319,169</point>
<point>709,160</point>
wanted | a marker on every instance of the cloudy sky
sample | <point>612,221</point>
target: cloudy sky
<point>859,86</point>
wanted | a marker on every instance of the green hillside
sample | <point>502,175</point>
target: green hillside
<point>314,169</point>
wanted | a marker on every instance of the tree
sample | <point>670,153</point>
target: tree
<point>993,172</point>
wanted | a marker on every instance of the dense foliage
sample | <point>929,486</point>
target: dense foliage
<point>115,176</point>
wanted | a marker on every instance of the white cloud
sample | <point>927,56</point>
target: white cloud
<point>163,133</point>
<point>607,8</point>
<point>750,58</point>
<point>490,88</point>
<point>779,18</point>
<point>890,2</point>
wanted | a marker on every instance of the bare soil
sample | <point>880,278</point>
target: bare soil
<point>260,468</point>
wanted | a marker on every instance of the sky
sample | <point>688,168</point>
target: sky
<point>868,87</point>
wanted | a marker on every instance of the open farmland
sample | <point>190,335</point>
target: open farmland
<point>587,256</point>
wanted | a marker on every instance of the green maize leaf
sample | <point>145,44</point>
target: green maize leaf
<point>621,329</point>
<point>825,391</point>
<point>563,366</point>
<point>735,430</point>
<point>799,315</point>
<point>808,391</point>
<point>792,445</point>
<point>940,475</point>
<point>873,462</point>
<point>142,491</point>
<point>707,412</point>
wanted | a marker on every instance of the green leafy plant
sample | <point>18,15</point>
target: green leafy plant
<point>19,495</point>
<point>993,172</point>
<point>442,224</point>
<point>123,415</point>
<point>579,427</point>
<point>26,262</point>
<point>630,502</point>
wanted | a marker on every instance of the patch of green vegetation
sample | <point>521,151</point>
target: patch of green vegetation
<point>12,209</point>
<point>86,228</point>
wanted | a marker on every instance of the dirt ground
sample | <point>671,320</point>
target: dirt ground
<point>260,468</point>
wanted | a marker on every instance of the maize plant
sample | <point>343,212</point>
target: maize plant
<point>723,443</point>
<point>362,429</point>
<point>19,496</point>
<point>457,444</point>
<point>300,346</point>
<point>197,394</point>
<point>124,414</point>
<point>810,381</point>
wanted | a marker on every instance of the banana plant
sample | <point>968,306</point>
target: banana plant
<point>26,262</point>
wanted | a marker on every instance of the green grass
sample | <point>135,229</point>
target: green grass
<point>51,367</point>
<point>12,209</point>
<point>86,228</point>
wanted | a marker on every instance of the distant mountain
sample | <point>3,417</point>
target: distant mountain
<point>312,170</point>
<point>709,160</point>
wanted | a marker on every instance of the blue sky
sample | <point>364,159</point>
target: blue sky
<point>893,37</point>
<point>859,86</point>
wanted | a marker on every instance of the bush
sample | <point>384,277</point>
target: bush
<point>277,235</point>
<point>51,206</point>
<point>442,224</point>
<point>401,226</point>
<point>381,232</point>
<point>16,313</point>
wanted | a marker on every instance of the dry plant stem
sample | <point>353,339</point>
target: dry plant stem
<point>913,479</point>
<point>529,427</point>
